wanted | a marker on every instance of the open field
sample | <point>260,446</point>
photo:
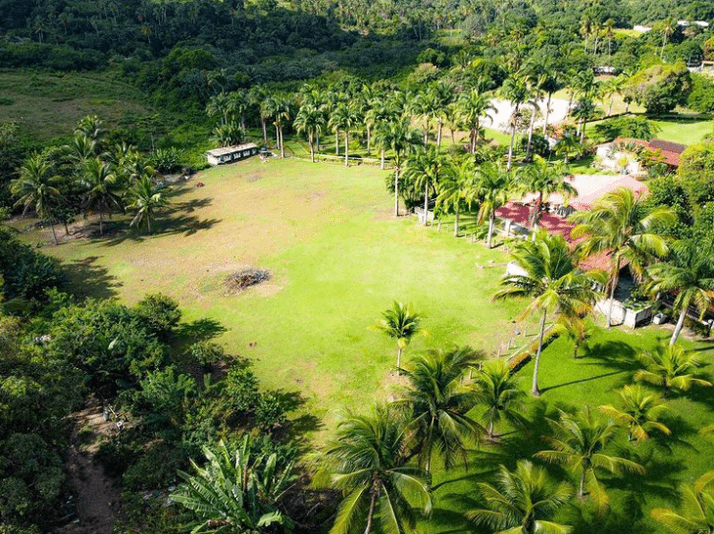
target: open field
<point>47,105</point>
<point>339,258</point>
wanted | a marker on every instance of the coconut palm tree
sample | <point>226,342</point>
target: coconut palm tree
<point>219,106</point>
<point>401,139</point>
<point>624,225</point>
<point>567,145</point>
<point>103,190</point>
<point>471,107</point>
<point>309,120</point>
<point>424,170</point>
<point>639,412</point>
<point>281,116</point>
<point>147,200</point>
<point>495,184</point>
<point>366,463</point>
<point>496,389</point>
<point>37,188</point>
<point>458,187</point>
<point>669,367</point>
<point>579,442</point>
<point>690,274</point>
<point>522,502</point>
<point>436,404</point>
<point>515,90</point>
<point>425,104</point>
<point>345,117</point>
<point>667,27</point>
<point>544,179</point>
<point>697,510</point>
<point>401,323</point>
<point>551,280</point>
<point>576,328</point>
<point>235,491</point>
<point>444,94</point>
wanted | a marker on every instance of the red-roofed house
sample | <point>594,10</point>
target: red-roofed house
<point>611,154</point>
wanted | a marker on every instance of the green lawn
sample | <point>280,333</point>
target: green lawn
<point>686,132</point>
<point>339,258</point>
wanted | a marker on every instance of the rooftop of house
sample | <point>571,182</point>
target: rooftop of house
<point>670,151</point>
<point>230,149</point>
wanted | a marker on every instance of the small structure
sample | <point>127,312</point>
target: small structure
<point>619,155</point>
<point>231,153</point>
<point>642,28</point>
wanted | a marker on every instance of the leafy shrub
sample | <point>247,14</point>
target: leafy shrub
<point>635,127</point>
<point>155,468</point>
<point>160,313</point>
<point>240,391</point>
<point>206,354</point>
<point>165,159</point>
<point>270,411</point>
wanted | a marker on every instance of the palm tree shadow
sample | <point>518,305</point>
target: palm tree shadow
<point>580,381</point>
<point>88,279</point>
<point>616,354</point>
<point>200,330</point>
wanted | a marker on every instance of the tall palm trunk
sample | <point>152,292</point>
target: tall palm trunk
<point>282,143</point>
<point>347,147</point>
<point>581,489</point>
<point>265,131</point>
<point>491,220</point>
<point>317,141</point>
<point>148,224</point>
<point>679,326</point>
<point>615,280</point>
<point>54,234</point>
<point>399,359</point>
<point>530,132</point>
<point>396,192</point>
<point>510,148</point>
<point>277,137</point>
<point>547,113</point>
<point>438,132</point>
<point>101,223</point>
<point>369,140</point>
<point>370,514</point>
<point>426,202</point>
<point>312,147</point>
<point>337,142</point>
<point>382,166</point>
<point>534,390</point>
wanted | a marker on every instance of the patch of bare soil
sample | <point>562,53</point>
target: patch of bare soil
<point>246,278</point>
<point>97,496</point>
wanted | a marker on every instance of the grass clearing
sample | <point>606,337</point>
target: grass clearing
<point>48,105</point>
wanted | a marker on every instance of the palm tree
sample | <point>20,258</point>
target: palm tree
<point>494,187</point>
<point>103,189</point>
<point>444,95</point>
<point>522,502</point>
<point>436,405</point>
<point>311,121</point>
<point>515,90</point>
<point>367,463</point>
<point>567,145</point>
<point>551,279</point>
<point>497,390</point>
<point>667,27</point>
<point>37,188</point>
<point>575,328</point>
<point>545,179</point>
<point>458,187</point>
<point>639,412</point>
<point>579,442</point>
<point>219,106</point>
<point>669,367</point>
<point>401,323</point>
<point>624,225</point>
<point>690,274</point>
<point>346,118</point>
<point>258,96</point>
<point>147,199</point>
<point>281,115</point>
<point>425,104</point>
<point>472,107</point>
<point>401,139</point>
<point>424,170</point>
<point>235,492</point>
<point>697,515</point>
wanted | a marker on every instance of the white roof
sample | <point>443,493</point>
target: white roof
<point>216,152</point>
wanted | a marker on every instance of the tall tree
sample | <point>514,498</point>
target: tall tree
<point>579,442</point>
<point>495,184</point>
<point>515,90</point>
<point>522,502</point>
<point>147,199</point>
<point>472,106</point>
<point>689,273</point>
<point>436,404</point>
<point>696,515</point>
<point>624,225</point>
<point>103,189</point>
<point>424,168</point>
<point>345,117</point>
<point>669,367</point>
<point>639,412</point>
<point>496,389</point>
<point>401,139</point>
<point>401,323</point>
<point>458,187</point>
<point>551,280</point>
<point>366,463</point>
<point>37,188</point>
<point>309,120</point>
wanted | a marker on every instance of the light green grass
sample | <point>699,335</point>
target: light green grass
<point>47,105</point>
<point>339,259</point>
<point>686,132</point>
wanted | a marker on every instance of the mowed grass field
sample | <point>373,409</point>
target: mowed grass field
<point>46,105</point>
<point>338,257</point>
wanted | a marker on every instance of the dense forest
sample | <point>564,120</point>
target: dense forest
<point>393,80</point>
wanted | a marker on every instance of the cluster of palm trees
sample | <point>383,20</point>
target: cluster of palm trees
<point>87,175</point>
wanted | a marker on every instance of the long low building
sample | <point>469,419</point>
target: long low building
<point>231,153</point>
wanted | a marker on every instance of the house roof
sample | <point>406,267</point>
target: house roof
<point>230,149</point>
<point>669,151</point>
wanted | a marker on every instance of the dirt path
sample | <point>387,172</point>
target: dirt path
<point>97,496</point>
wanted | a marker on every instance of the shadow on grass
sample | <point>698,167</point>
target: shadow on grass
<point>200,330</point>
<point>296,428</point>
<point>616,354</point>
<point>572,382</point>
<point>91,280</point>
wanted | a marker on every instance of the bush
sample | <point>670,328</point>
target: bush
<point>270,411</point>
<point>165,160</point>
<point>160,313</point>
<point>635,127</point>
<point>206,354</point>
<point>155,468</point>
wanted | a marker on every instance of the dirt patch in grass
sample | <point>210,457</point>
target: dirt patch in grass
<point>245,278</point>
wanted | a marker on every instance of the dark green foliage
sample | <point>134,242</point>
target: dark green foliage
<point>240,390</point>
<point>696,169</point>
<point>661,88</point>
<point>164,398</point>
<point>702,96</point>
<point>633,127</point>
<point>270,411</point>
<point>155,468</point>
<point>165,160</point>
<point>207,354</point>
<point>160,314</point>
